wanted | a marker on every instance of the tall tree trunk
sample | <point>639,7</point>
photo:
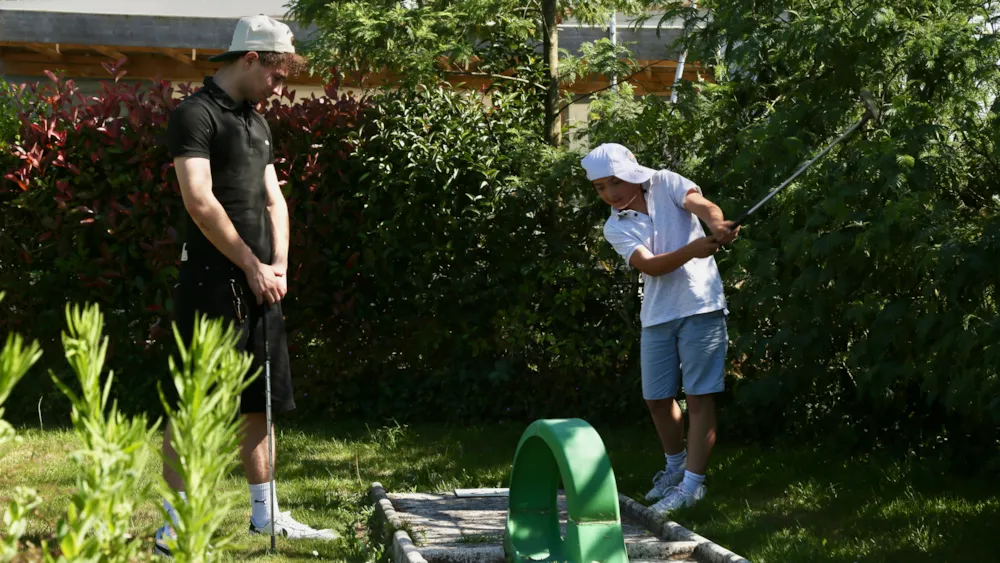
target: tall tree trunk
<point>553,124</point>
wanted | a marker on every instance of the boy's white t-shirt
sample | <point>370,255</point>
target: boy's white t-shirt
<point>695,287</point>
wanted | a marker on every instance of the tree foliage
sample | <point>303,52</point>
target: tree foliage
<point>424,42</point>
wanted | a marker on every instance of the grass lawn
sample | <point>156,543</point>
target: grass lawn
<point>794,504</point>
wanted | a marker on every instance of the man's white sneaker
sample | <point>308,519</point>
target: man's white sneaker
<point>160,541</point>
<point>662,482</point>
<point>289,528</point>
<point>677,497</point>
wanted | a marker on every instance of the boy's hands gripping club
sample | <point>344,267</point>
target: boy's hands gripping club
<point>722,233</point>
<point>702,247</point>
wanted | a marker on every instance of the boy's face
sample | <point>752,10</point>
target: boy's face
<point>617,192</point>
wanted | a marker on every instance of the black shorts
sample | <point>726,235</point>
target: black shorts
<point>221,291</point>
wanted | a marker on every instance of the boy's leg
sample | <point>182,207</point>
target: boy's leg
<point>194,294</point>
<point>254,454</point>
<point>701,434</point>
<point>669,423</point>
<point>254,450</point>
<point>702,342</point>
<point>660,383</point>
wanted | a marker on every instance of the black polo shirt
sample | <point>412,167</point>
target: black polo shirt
<point>237,141</point>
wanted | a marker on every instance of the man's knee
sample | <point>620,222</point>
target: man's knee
<point>253,421</point>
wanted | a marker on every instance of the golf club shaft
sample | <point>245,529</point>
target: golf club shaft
<point>267,407</point>
<point>805,166</point>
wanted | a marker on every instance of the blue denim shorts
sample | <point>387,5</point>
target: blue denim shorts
<point>692,349</point>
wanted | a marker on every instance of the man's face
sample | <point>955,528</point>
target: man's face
<point>261,82</point>
<point>617,192</point>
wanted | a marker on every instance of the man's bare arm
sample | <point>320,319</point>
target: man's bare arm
<point>278,210</point>
<point>194,174</point>
<point>195,177</point>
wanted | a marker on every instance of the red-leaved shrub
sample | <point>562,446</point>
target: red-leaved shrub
<point>91,211</point>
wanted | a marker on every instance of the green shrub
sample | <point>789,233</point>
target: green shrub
<point>9,122</point>
<point>113,454</point>
<point>115,449</point>
<point>476,285</point>
<point>209,378</point>
<point>445,263</point>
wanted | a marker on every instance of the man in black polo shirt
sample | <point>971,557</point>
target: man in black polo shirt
<point>235,256</point>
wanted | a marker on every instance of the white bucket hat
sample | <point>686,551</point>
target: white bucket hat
<point>612,159</point>
<point>259,33</point>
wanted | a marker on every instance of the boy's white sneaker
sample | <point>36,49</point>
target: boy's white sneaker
<point>677,497</point>
<point>288,527</point>
<point>662,482</point>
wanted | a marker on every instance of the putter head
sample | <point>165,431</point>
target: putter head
<point>871,107</point>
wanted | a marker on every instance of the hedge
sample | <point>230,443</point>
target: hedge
<point>445,264</point>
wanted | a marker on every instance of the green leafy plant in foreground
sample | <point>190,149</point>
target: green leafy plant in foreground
<point>15,360</point>
<point>204,427</point>
<point>115,449</point>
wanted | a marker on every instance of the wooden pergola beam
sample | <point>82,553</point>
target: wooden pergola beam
<point>177,55</point>
<point>51,51</point>
<point>138,65</point>
<point>110,52</point>
<point>117,48</point>
<point>84,61</point>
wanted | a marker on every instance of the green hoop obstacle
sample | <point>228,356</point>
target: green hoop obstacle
<point>571,450</point>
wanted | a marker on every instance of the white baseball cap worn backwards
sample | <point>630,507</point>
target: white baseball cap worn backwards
<point>612,159</point>
<point>259,33</point>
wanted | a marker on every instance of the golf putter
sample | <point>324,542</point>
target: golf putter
<point>871,112</point>
<point>267,408</point>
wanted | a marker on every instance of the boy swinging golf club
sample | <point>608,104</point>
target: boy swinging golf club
<point>235,255</point>
<point>654,227</point>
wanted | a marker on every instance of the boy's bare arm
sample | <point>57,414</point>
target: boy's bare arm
<point>711,215</point>
<point>659,264</point>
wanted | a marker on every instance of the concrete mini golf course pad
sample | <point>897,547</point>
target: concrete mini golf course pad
<point>535,520</point>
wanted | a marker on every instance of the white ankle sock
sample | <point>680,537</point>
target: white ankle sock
<point>170,509</point>
<point>260,501</point>
<point>691,482</point>
<point>675,461</point>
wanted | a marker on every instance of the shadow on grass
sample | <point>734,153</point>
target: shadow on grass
<point>811,505</point>
<point>767,504</point>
